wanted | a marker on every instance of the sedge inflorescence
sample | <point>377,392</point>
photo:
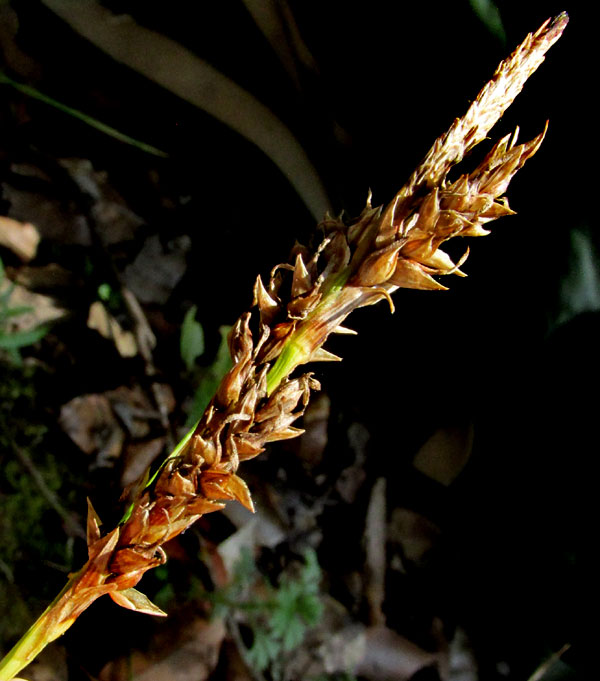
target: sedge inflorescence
<point>304,301</point>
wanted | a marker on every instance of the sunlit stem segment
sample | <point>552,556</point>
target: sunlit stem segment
<point>43,631</point>
<point>310,334</point>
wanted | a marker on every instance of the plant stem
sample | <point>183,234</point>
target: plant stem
<point>37,637</point>
<point>302,342</point>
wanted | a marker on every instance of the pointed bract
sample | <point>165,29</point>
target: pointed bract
<point>132,599</point>
<point>93,525</point>
<point>267,305</point>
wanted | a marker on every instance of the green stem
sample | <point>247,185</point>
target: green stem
<point>37,637</point>
<point>298,348</point>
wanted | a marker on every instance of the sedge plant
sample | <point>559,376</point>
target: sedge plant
<point>304,301</point>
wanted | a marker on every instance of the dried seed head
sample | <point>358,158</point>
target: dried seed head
<point>399,245</point>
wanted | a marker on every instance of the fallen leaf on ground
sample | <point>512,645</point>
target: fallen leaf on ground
<point>22,238</point>
<point>375,541</point>
<point>311,446</point>
<point>414,534</point>
<point>254,530</point>
<point>114,221</point>
<point>445,453</point>
<point>55,219</point>
<point>134,409</point>
<point>391,657</point>
<point>100,320</point>
<point>344,649</point>
<point>333,645</point>
<point>42,309</point>
<point>352,477</point>
<point>138,457</point>
<point>13,56</point>
<point>156,271</point>
<point>185,648</point>
<point>91,423</point>
<point>101,423</point>
<point>337,645</point>
<point>49,276</point>
<point>268,527</point>
<point>462,665</point>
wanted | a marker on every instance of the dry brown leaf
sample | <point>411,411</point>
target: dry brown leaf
<point>351,478</point>
<point>337,646</point>
<point>462,665</point>
<point>183,649</point>
<point>43,309</point>
<point>53,220</point>
<point>100,319</point>
<point>414,534</point>
<point>134,409</point>
<point>266,528</point>
<point>21,237</point>
<point>445,453</point>
<point>391,657</point>
<point>114,221</point>
<point>13,57</point>
<point>138,457</point>
<point>156,271</point>
<point>255,530</point>
<point>232,549</point>
<point>344,649</point>
<point>375,540</point>
<point>49,276</point>
<point>333,645</point>
<point>311,446</point>
<point>90,422</point>
<point>100,423</point>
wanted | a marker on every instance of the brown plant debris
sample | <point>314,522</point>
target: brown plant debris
<point>303,302</point>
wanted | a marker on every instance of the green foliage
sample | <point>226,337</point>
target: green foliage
<point>111,297</point>
<point>11,341</point>
<point>489,14</point>
<point>192,339</point>
<point>280,616</point>
<point>34,93</point>
<point>28,524</point>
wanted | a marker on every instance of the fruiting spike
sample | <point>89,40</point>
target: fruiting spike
<point>257,402</point>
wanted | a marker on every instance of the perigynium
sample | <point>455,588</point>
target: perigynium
<point>304,301</point>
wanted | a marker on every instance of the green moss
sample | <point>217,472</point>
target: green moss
<point>33,545</point>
